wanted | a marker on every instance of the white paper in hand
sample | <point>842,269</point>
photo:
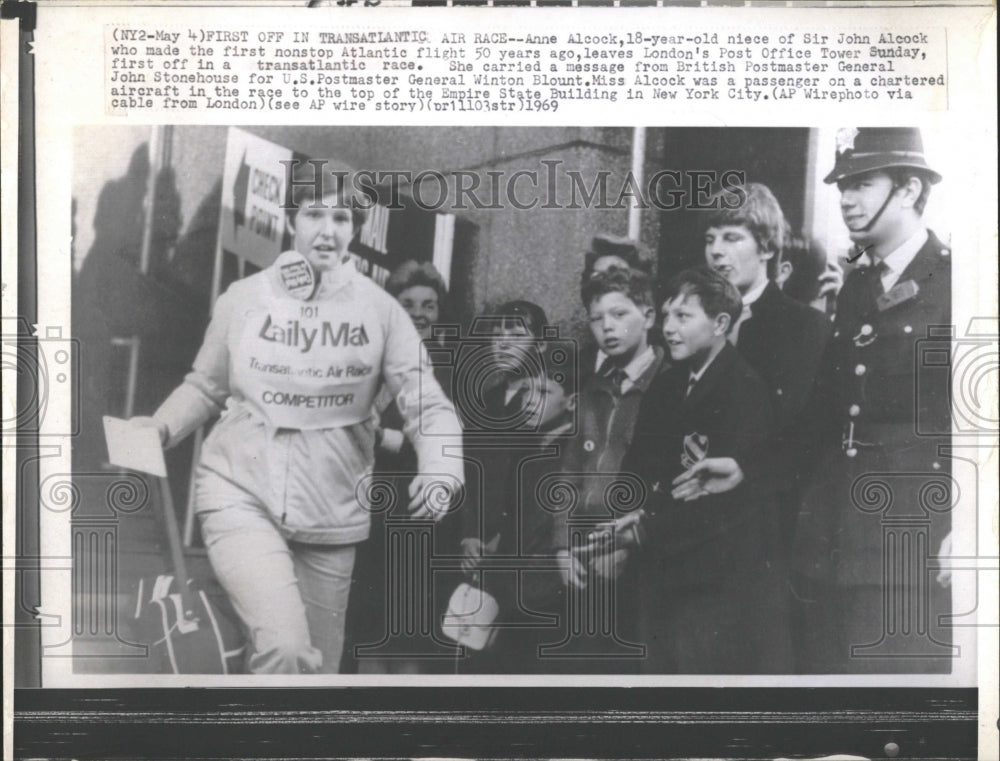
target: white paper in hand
<point>133,446</point>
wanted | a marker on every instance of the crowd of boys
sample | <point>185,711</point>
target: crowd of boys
<point>680,496</point>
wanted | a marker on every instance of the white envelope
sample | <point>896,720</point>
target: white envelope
<point>470,616</point>
<point>134,446</point>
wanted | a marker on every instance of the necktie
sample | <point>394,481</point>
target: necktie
<point>613,373</point>
<point>692,382</point>
<point>734,334</point>
<point>618,377</point>
<point>875,287</point>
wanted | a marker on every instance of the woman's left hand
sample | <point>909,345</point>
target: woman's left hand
<point>431,495</point>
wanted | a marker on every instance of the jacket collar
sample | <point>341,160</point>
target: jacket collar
<point>767,301</point>
<point>640,384</point>
<point>925,264</point>
<point>720,367</point>
<point>927,260</point>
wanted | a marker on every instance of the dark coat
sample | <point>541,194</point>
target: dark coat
<point>593,456</point>
<point>711,602</point>
<point>502,474</point>
<point>783,341</point>
<point>694,542</point>
<point>881,410</point>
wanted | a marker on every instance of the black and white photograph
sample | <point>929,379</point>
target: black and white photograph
<point>480,382</point>
<point>512,401</point>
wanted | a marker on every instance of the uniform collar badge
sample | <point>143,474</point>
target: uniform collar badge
<point>899,293</point>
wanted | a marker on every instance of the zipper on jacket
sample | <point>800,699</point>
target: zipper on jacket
<point>284,485</point>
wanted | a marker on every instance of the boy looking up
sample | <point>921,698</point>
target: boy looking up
<point>710,602</point>
<point>502,520</point>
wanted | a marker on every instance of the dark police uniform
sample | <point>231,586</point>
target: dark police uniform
<point>877,505</point>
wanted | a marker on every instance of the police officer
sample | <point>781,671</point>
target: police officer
<point>877,503</point>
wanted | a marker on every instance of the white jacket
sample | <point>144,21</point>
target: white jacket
<point>297,380</point>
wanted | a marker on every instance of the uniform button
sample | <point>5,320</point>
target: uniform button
<point>588,446</point>
<point>907,328</point>
<point>866,330</point>
<point>836,333</point>
<point>779,392</point>
<point>936,465</point>
<point>852,452</point>
<point>860,370</point>
<point>854,410</point>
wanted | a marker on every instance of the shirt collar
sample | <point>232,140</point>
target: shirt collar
<point>599,360</point>
<point>634,369</point>
<point>639,364</point>
<point>900,259</point>
<point>696,376</point>
<point>754,293</point>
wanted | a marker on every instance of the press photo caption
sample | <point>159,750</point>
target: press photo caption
<point>435,70</point>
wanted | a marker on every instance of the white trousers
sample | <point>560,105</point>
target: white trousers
<point>292,597</point>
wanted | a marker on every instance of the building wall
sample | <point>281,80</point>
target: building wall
<point>100,154</point>
<point>533,254</point>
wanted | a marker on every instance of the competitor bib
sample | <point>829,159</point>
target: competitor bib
<point>308,365</point>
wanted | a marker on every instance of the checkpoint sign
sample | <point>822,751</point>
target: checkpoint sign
<point>252,223</point>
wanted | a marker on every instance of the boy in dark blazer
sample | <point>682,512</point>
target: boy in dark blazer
<point>780,338</point>
<point>710,600</point>
<point>599,580</point>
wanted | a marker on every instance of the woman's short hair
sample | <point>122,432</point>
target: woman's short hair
<point>311,180</point>
<point>760,213</point>
<point>413,273</point>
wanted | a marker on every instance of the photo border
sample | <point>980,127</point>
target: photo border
<point>394,722</point>
<point>349,722</point>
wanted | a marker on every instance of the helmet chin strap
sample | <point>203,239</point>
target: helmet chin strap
<point>874,220</point>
